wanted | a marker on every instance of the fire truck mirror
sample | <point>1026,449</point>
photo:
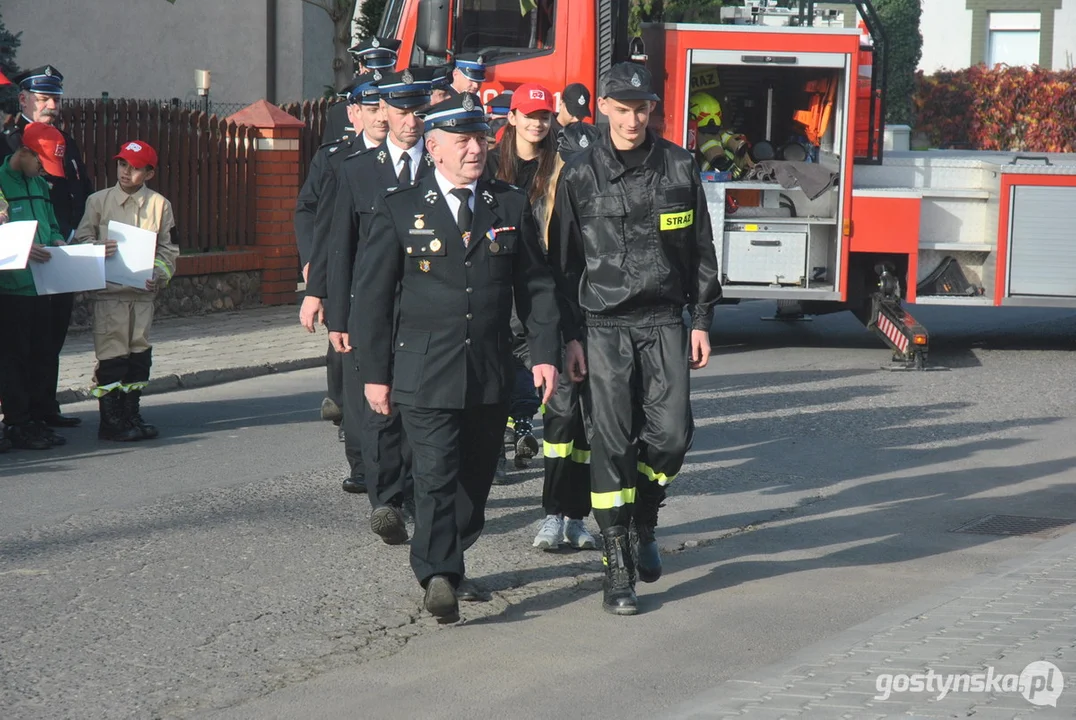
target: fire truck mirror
<point>431,31</point>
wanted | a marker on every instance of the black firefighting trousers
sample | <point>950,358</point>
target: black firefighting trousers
<point>567,453</point>
<point>638,412</point>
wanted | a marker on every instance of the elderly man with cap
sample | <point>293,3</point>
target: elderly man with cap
<point>469,72</point>
<point>371,54</point>
<point>313,216</point>
<point>361,179</point>
<point>632,231</point>
<point>572,133</point>
<point>40,91</point>
<point>443,261</point>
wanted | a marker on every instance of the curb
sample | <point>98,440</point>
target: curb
<point>203,378</point>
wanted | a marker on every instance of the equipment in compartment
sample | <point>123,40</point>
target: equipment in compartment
<point>947,279</point>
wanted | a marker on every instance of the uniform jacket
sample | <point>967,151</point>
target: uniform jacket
<point>68,193</point>
<point>637,243</point>
<point>453,345</point>
<point>576,137</point>
<point>28,199</point>
<point>360,180</point>
<point>146,209</point>
<point>322,166</point>
<point>337,124</point>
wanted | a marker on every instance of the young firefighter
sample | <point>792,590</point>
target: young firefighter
<point>122,315</point>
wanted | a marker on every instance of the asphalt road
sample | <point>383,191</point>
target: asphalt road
<point>220,571</point>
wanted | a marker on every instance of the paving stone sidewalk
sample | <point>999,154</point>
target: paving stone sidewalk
<point>199,351</point>
<point>995,624</point>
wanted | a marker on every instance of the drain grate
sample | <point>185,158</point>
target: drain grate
<point>1015,525</point>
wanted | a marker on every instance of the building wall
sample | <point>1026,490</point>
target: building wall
<point>151,48</point>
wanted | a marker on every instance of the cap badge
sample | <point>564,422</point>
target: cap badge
<point>480,60</point>
<point>537,95</point>
<point>377,75</point>
<point>58,151</point>
<point>382,156</point>
<point>133,147</point>
<point>468,103</point>
<point>407,77</point>
<point>375,43</point>
<point>583,142</point>
<point>582,100</point>
<point>424,265</point>
<point>635,81</point>
<point>48,71</point>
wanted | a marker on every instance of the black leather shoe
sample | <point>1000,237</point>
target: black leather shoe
<point>331,411</point>
<point>62,421</point>
<point>50,435</point>
<point>354,485</point>
<point>469,592</point>
<point>27,437</point>
<point>440,600</point>
<point>388,523</point>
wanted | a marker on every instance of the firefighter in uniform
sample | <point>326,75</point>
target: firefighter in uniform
<point>313,216</point>
<point>40,90</point>
<point>469,73</point>
<point>633,234</point>
<point>454,248</point>
<point>399,161</point>
<point>371,54</point>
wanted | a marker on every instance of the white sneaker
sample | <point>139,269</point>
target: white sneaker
<point>550,533</point>
<point>577,535</point>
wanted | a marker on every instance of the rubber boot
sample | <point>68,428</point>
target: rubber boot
<point>618,590</point>
<point>114,423</point>
<point>648,555</point>
<point>133,408</point>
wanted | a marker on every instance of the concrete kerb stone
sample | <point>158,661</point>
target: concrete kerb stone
<point>203,378</point>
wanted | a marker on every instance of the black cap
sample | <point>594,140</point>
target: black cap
<point>500,105</point>
<point>365,91</point>
<point>460,114</point>
<point>473,65</point>
<point>350,86</point>
<point>576,99</point>
<point>375,52</point>
<point>438,76</point>
<point>44,80</point>
<point>628,81</point>
<point>404,89</point>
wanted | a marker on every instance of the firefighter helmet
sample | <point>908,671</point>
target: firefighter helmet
<point>705,109</point>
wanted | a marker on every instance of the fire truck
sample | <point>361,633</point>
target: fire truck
<point>854,227</point>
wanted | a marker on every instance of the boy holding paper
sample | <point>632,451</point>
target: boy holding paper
<point>122,314</point>
<point>26,353</point>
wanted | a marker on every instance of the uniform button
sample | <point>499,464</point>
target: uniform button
<point>467,264</point>
<point>469,316</point>
<point>401,344</point>
<point>467,341</point>
<point>470,290</point>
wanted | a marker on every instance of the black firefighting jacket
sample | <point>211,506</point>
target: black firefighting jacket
<point>636,242</point>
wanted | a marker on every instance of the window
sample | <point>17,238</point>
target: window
<point>1013,38</point>
<point>510,27</point>
<point>390,19</point>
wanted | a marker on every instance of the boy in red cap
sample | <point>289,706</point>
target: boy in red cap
<point>122,315</point>
<point>24,350</point>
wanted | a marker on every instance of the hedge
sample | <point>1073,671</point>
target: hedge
<point>1001,108</point>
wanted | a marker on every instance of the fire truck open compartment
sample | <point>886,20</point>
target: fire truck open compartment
<point>772,240</point>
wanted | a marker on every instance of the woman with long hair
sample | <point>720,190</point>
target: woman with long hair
<point>527,157</point>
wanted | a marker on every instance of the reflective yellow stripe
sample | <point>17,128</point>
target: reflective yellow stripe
<point>135,386</point>
<point>511,424</point>
<point>581,456</point>
<point>557,450</point>
<point>659,478</point>
<point>541,408</point>
<point>163,267</point>
<point>609,500</point>
<point>102,390</point>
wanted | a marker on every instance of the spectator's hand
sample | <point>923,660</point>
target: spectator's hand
<point>311,308</point>
<point>306,273</point>
<point>575,361</point>
<point>39,253</point>
<point>378,397</point>
<point>151,284</point>
<point>341,342</point>
<point>545,376</point>
<point>60,243</point>
<point>110,247</point>
<point>700,349</point>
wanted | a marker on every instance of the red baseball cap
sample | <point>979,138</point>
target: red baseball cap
<point>48,143</point>
<point>138,154</point>
<point>531,98</point>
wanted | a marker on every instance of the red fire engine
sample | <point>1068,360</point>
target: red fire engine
<point>848,229</point>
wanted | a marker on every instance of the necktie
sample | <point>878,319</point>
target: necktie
<point>464,216</point>
<point>404,178</point>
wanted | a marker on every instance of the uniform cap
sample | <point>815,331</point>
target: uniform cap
<point>376,53</point>
<point>138,154</point>
<point>404,90</point>
<point>45,80</point>
<point>48,144</point>
<point>576,99</point>
<point>628,81</point>
<point>531,98</point>
<point>501,105</point>
<point>472,65</point>
<point>365,91</point>
<point>460,114</point>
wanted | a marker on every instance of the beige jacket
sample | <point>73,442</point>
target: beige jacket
<point>146,209</point>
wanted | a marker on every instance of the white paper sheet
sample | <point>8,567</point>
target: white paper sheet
<point>136,250</point>
<point>72,268</point>
<point>15,241</point>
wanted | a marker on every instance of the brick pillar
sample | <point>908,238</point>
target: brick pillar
<point>275,187</point>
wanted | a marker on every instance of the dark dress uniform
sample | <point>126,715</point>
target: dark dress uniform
<point>633,232</point>
<point>359,181</point>
<point>452,371</point>
<point>68,195</point>
<point>373,53</point>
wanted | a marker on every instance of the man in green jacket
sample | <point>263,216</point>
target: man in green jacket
<point>24,347</point>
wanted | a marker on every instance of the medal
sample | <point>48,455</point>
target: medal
<point>494,247</point>
<point>419,222</point>
<point>424,265</point>
<point>435,245</point>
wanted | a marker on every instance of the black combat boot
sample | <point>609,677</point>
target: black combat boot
<point>648,555</point>
<point>618,589</point>
<point>114,423</point>
<point>132,406</point>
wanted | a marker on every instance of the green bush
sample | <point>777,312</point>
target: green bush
<point>900,20</point>
<point>370,17</point>
<point>9,43</point>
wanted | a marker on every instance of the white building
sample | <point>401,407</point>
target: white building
<point>961,33</point>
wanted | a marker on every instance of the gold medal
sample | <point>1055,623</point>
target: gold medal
<point>435,245</point>
<point>494,247</point>
<point>419,222</point>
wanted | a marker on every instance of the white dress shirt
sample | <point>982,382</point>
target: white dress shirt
<point>396,153</point>
<point>447,186</point>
